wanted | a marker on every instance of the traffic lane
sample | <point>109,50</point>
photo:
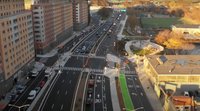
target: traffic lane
<point>23,98</point>
<point>98,94</point>
<point>107,99</point>
<point>63,91</point>
<point>96,63</point>
<point>32,86</point>
<point>133,93</point>
<point>140,90</point>
<point>75,62</point>
<point>107,46</point>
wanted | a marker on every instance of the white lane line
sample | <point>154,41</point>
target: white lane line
<point>70,81</point>
<point>52,106</point>
<point>58,92</point>
<point>141,94</point>
<point>66,92</point>
<point>61,107</point>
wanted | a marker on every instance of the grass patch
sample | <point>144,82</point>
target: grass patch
<point>126,97</point>
<point>142,52</point>
<point>159,22</point>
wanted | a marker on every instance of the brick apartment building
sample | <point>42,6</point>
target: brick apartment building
<point>53,23</point>
<point>80,14</point>
<point>16,42</point>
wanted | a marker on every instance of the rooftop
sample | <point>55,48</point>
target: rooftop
<point>186,26</point>
<point>175,64</point>
<point>182,100</point>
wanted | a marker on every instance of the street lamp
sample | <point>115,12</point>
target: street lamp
<point>19,107</point>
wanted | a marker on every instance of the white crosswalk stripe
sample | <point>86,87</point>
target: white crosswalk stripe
<point>79,69</point>
<point>89,56</point>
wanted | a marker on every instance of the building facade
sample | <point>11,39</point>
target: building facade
<point>175,72</point>
<point>16,41</point>
<point>80,14</point>
<point>53,23</point>
<point>190,32</point>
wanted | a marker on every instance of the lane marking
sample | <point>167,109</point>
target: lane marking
<point>70,81</point>
<point>52,106</point>
<point>66,92</point>
<point>61,107</point>
<point>58,92</point>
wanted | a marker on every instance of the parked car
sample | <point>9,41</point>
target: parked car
<point>13,97</point>
<point>186,93</point>
<point>20,88</point>
<point>42,83</point>
<point>48,72</point>
<point>32,95</point>
<point>37,89</point>
<point>34,72</point>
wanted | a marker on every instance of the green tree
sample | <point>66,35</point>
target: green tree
<point>105,12</point>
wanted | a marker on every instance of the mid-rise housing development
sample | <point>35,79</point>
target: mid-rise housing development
<point>53,23</point>
<point>80,14</point>
<point>16,41</point>
<point>190,32</point>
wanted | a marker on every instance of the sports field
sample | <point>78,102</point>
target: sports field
<point>126,97</point>
<point>159,22</point>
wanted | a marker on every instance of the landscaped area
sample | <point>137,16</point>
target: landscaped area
<point>142,52</point>
<point>126,97</point>
<point>159,22</point>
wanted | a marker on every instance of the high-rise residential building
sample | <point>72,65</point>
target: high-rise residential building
<point>53,23</point>
<point>99,2</point>
<point>80,14</point>
<point>16,41</point>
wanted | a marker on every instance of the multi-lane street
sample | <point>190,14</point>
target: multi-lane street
<point>61,95</point>
<point>87,53</point>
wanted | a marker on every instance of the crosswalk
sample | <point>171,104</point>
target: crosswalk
<point>89,56</point>
<point>91,70</point>
<point>80,69</point>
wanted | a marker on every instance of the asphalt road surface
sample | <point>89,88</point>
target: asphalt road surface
<point>61,96</point>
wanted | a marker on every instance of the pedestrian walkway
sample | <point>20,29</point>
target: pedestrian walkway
<point>112,73</point>
<point>145,81</point>
<point>149,90</point>
<point>120,36</point>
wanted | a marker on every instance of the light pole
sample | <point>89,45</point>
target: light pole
<point>19,107</point>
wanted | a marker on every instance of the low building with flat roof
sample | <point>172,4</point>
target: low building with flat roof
<point>176,72</point>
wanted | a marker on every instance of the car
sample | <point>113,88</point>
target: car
<point>20,88</point>
<point>90,90</point>
<point>48,72</point>
<point>98,96</point>
<point>34,72</point>
<point>37,89</point>
<point>42,83</point>
<point>32,95</point>
<point>13,96</point>
<point>186,93</point>
<point>191,93</point>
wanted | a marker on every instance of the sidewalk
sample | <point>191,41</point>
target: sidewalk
<point>149,90</point>
<point>112,73</point>
<point>145,81</point>
<point>120,36</point>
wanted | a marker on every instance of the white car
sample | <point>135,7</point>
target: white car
<point>32,95</point>
<point>186,93</point>
<point>34,72</point>
<point>48,72</point>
